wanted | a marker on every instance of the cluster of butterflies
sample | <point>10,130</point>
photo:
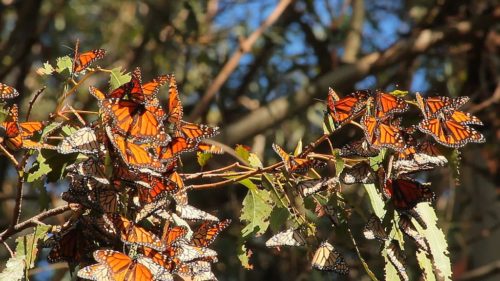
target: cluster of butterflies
<point>130,204</point>
<point>411,149</point>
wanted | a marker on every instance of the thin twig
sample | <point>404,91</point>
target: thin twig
<point>32,102</point>
<point>481,272</point>
<point>233,62</point>
<point>8,249</point>
<point>32,222</point>
<point>9,155</point>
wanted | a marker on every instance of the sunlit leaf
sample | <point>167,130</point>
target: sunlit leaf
<point>28,245</point>
<point>242,152</point>
<point>118,77</point>
<point>257,207</point>
<point>46,69</point>
<point>244,255</point>
<point>203,158</point>
<point>64,63</point>
<point>14,269</point>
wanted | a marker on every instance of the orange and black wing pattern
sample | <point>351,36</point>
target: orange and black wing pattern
<point>132,234</point>
<point>446,131</point>
<point>83,60</point>
<point>406,194</point>
<point>386,104</point>
<point>175,111</point>
<point>207,232</point>
<point>431,106</point>
<point>344,109</point>
<point>7,92</point>
<point>380,134</point>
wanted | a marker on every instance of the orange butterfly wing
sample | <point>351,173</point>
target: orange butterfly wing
<point>388,104</point>
<point>7,92</point>
<point>196,131</point>
<point>207,232</point>
<point>121,267</point>
<point>344,109</point>
<point>131,234</point>
<point>449,132</point>
<point>83,60</point>
<point>175,111</point>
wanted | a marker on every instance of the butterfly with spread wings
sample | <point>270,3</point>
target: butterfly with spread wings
<point>16,135</point>
<point>207,232</point>
<point>405,194</point>
<point>382,133</point>
<point>387,104</point>
<point>342,110</point>
<point>130,233</point>
<point>83,60</point>
<point>447,125</point>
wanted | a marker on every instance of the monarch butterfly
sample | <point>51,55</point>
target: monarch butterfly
<point>15,133</point>
<point>327,258</point>
<point>71,246</point>
<point>131,234</point>
<point>409,229</point>
<point>374,229</point>
<point>189,253</point>
<point>397,258</point>
<point>309,187</point>
<point>98,272</point>
<point>209,148</point>
<point>380,134</point>
<point>121,267</point>
<point>177,146</point>
<point>196,132</point>
<point>406,194</point>
<point>83,141</point>
<point>344,109</point>
<point>289,237</point>
<point>433,105</point>
<point>134,155</point>
<point>295,164</point>
<point>146,93</point>
<point>359,173</point>
<point>181,197</point>
<point>446,131</point>
<point>173,234</point>
<point>207,232</point>
<point>175,111</point>
<point>136,121</point>
<point>423,156</point>
<point>83,60</point>
<point>201,271</point>
<point>387,104</point>
<point>90,168</point>
<point>359,148</point>
<point>7,92</point>
<point>189,212</point>
<point>158,188</point>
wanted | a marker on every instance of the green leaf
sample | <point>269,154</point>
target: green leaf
<point>278,218</point>
<point>242,152</point>
<point>339,163</point>
<point>51,164</point>
<point>14,269</point>
<point>28,245</point>
<point>436,240</point>
<point>118,77</point>
<point>64,63</point>
<point>426,265</point>
<point>298,148</point>
<point>244,255</point>
<point>254,161</point>
<point>399,93</point>
<point>255,212</point>
<point>376,200</point>
<point>203,158</point>
<point>43,196</point>
<point>328,125</point>
<point>46,69</point>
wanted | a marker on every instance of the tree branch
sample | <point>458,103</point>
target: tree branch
<point>233,62</point>
<point>353,39</point>
<point>344,77</point>
<point>32,222</point>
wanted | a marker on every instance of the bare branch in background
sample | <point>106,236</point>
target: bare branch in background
<point>353,39</point>
<point>344,77</point>
<point>233,62</point>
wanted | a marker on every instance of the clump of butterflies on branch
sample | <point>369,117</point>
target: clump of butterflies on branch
<point>395,146</point>
<point>131,218</point>
<point>130,207</point>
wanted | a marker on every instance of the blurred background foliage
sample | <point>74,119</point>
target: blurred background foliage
<point>271,94</point>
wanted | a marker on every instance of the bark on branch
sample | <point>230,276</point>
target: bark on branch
<point>344,77</point>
